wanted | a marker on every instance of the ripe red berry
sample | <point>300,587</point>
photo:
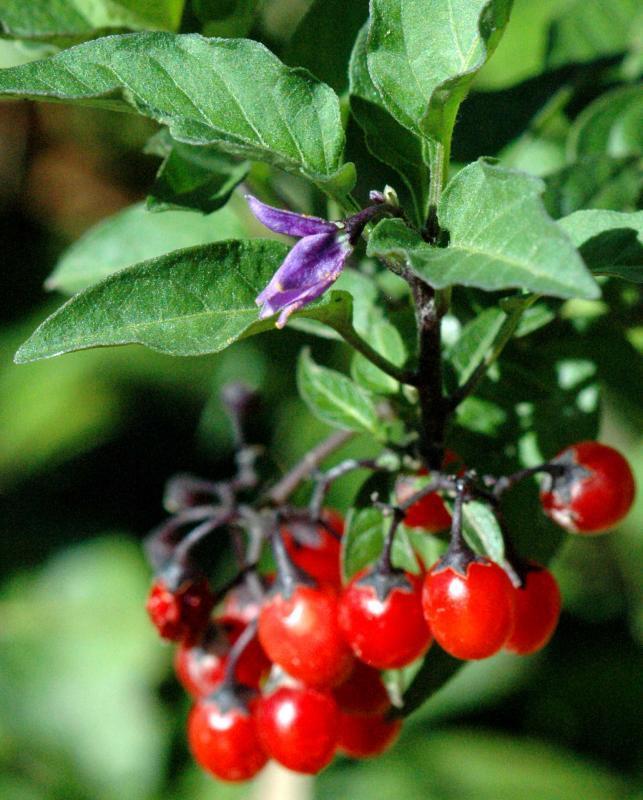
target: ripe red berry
<point>429,513</point>
<point>180,615</point>
<point>363,692</point>
<point>362,736</point>
<point>223,739</point>
<point>594,493</point>
<point>384,626</point>
<point>298,727</point>
<point>301,634</point>
<point>320,559</point>
<point>537,608</point>
<point>471,613</point>
<point>201,667</point>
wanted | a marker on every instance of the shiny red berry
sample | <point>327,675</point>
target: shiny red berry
<point>363,692</point>
<point>471,613</point>
<point>429,513</point>
<point>386,628</point>
<point>180,615</point>
<point>594,493</point>
<point>365,736</point>
<point>301,634</point>
<point>537,608</point>
<point>320,559</point>
<point>201,667</point>
<point>224,741</point>
<point>298,727</point>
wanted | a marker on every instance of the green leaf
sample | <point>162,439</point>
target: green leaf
<point>323,46</point>
<point>232,93</point>
<point>437,668</point>
<point>134,235</point>
<point>611,125</point>
<point>78,19</point>
<point>423,56</point>
<point>189,302</point>
<point>363,542</point>
<point>482,531</point>
<point>610,242</point>
<point>385,338</point>
<point>335,399</point>
<point>386,139</point>
<point>475,340</point>
<point>225,17</point>
<point>500,238</point>
<point>593,182</point>
<point>587,30</point>
<point>193,177</point>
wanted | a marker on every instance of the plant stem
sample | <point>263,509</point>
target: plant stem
<point>282,490</point>
<point>507,330</point>
<point>350,335</point>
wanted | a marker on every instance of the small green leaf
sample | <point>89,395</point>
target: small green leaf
<point>423,56</point>
<point>135,235</point>
<point>500,238</point>
<point>386,139</point>
<point>335,399</point>
<point>612,125</point>
<point>482,531</point>
<point>474,342</point>
<point>386,339</point>
<point>71,19</point>
<point>437,668</point>
<point>363,542</point>
<point>232,93</point>
<point>189,302</point>
<point>193,177</point>
<point>593,182</point>
<point>610,242</point>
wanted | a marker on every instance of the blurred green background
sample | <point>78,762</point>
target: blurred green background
<point>90,710</point>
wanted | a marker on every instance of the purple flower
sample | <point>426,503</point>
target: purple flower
<point>313,264</point>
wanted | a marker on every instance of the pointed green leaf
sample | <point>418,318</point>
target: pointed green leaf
<point>134,235</point>
<point>424,54</point>
<point>474,342</point>
<point>386,139</point>
<point>500,238</point>
<point>611,125</point>
<point>79,19</point>
<point>190,302</point>
<point>225,17</point>
<point>482,531</point>
<point>610,242</point>
<point>232,93</point>
<point>335,399</point>
<point>200,178</point>
<point>384,338</point>
<point>363,542</point>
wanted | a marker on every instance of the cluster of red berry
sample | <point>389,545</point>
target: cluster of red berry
<point>295,673</point>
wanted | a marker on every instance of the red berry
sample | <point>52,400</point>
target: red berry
<point>429,513</point>
<point>298,726</point>
<point>537,608</point>
<point>182,614</point>
<point>200,668</point>
<point>471,613</point>
<point>301,634</point>
<point>594,494</point>
<point>385,629</point>
<point>224,740</point>
<point>365,736</point>
<point>320,560</point>
<point>363,692</point>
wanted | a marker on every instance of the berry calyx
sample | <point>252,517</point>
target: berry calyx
<point>222,734</point>
<point>320,558</point>
<point>470,608</point>
<point>180,614</point>
<point>363,692</point>
<point>429,513</point>
<point>301,634</point>
<point>298,727</point>
<point>537,608</point>
<point>363,736</point>
<point>381,618</point>
<point>594,492</point>
<point>201,667</point>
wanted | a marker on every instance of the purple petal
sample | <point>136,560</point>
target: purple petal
<point>309,269</point>
<point>288,222</point>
